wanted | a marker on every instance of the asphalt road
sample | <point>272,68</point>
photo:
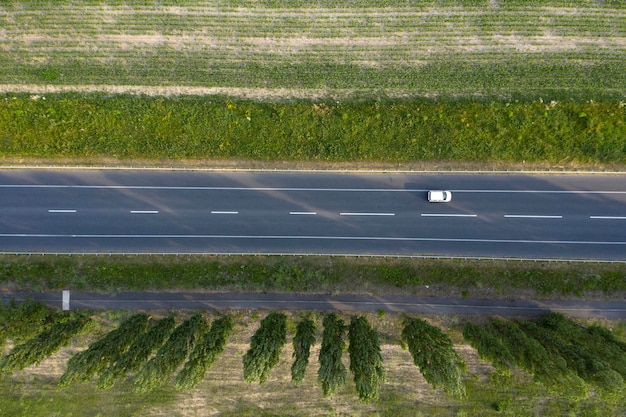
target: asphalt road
<point>558,217</point>
<point>613,310</point>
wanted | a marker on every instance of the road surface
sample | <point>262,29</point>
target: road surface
<point>538,217</point>
<point>613,310</point>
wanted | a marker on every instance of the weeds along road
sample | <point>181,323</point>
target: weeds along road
<point>613,310</point>
<point>523,216</point>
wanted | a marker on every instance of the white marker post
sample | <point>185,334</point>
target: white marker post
<point>66,300</point>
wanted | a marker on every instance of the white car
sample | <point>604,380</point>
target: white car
<point>439,196</point>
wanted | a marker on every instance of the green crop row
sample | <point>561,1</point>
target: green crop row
<point>561,75</point>
<point>334,3</point>
<point>573,47</point>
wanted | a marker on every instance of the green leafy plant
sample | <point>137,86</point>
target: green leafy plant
<point>103,352</point>
<point>366,361</point>
<point>205,353</point>
<point>433,351</point>
<point>45,343</point>
<point>138,352</point>
<point>265,347</point>
<point>302,342</point>
<point>172,354</point>
<point>332,372</point>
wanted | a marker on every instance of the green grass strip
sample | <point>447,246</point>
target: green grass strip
<point>389,131</point>
<point>293,274</point>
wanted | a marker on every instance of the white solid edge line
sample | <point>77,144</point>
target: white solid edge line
<point>302,237</point>
<point>31,88</point>
<point>366,214</point>
<point>61,211</point>
<point>531,216</point>
<point>447,215</point>
<point>144,212</point>
<point>224,212</point>
<point>289,189</point>
<point>297,213</point>
<point>608,217</point>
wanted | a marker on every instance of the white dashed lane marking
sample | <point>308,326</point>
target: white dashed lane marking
<point>447,215</point>
<point>366,214</point>
<point>530,216</point>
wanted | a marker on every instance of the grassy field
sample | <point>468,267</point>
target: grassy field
<point>554,49</point>
<point>325,275</point>
<point>223,391</point>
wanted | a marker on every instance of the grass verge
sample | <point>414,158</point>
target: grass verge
<point>127,127</point>
<point>324,274</point>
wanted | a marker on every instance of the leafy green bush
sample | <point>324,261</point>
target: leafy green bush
<point>366,361</point>
<point>45,343</point>
<point>103,352</point>
<point>302,342</point>
<point>138,352</point>
<point>22,321</point>
<point>434,353</point>
<point>265,347</point>
<point>172,354</point>
<point>205,353</point>
<point>332,372</point>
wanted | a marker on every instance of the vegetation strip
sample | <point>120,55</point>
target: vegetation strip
<point>378,131</point>
<point>316,275</point>
<point>574,365</point>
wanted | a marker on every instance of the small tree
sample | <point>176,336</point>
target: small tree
<point>138,352</point>
<point>265,348</point>
<point>23,321</point>
<point>332,372</point>
<point>205,353</point>
<point>171,354</point>
<point>366,361</point>
<point>302,342</point>
<point>45,343</point>
<point>433,352</point>
<point>100,354</point>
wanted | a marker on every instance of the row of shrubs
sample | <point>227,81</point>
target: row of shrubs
<point>564,356</point>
